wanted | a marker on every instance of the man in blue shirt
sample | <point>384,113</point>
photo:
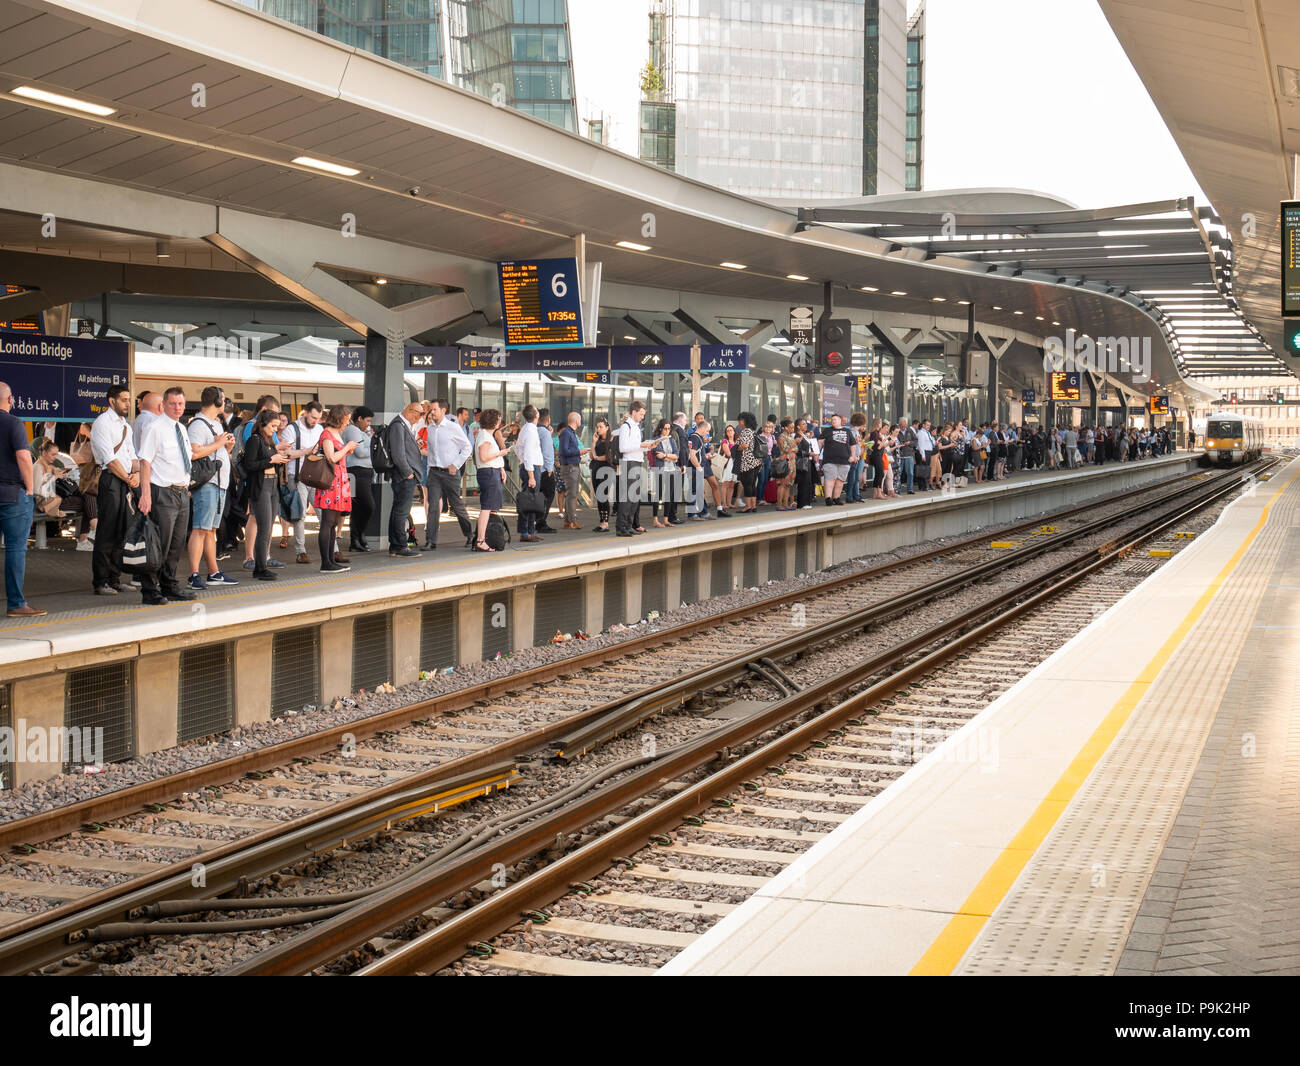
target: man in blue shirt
<point>547,443</point>
<point>571,453</point>
<point>16,505</point>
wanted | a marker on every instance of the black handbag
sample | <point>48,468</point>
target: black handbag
<point>780,468</point>
<point>142,548</point>
<point>201,472</point>
<point>530,501</point>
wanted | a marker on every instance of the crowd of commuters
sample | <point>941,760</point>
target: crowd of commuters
<point>214,479</point>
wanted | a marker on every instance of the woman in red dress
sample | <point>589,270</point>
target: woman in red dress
<point>336,501</point>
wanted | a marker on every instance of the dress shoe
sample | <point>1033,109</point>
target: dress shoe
<point>177,596</point>
<point>105,590</point>
<point>25,611</point>
<point>339,557</point>
<point>404,553</point>
<point>151,600</point>
<point>302,558</point>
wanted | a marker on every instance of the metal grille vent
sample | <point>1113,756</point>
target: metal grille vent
<point>295,670</point>
<point>98,698</point>
<point>559,605</point>
<point>438,648</point>
<point>776,560</point>
<point>498,625</point>
<point>372,650</point>
<point>6,723</point>
<point>654,588</point>
<point>614,603</point>
<point>690,579</point>
<point>720,579</point>
<point>205,705</point>
<point>749,572</point>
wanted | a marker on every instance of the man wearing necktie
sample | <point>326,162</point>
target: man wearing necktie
<point>166,456</point>
<point>448,450</point>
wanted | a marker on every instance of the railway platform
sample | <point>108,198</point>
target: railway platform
<point>256,650</point>
<point>1140,816</point>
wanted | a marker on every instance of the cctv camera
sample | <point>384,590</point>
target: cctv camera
<point>414,190</point>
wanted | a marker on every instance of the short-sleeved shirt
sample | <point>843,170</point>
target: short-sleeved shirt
<point>13,439</point>
<point>203,432</point>
<point>836,443</point>
<point>749,457</point>
<point>629,442</point>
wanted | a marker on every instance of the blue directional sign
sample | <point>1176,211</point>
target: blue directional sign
<point>1028,396</point>
<point>61,379</point>
<point>351,359</point>
<point>441,359</point>
<point>541,303</point>
<point>676,358</point>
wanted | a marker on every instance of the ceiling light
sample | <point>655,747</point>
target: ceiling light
<point>381,281</point>
<point>162,251</point>
<point>1040,318</point>
<point>1017,312</point>
<point>939,299</point>
<point>62,101</point>
<point>964,303</point>
<point>329,168</point>
<point>897,293</point>
<point>996,307</point>
<point>1055,323</point>
<point>869,288</point>
<point>797,277</point>
<point>734,266</point>
<point>626,337</point>
<point>634,246</point>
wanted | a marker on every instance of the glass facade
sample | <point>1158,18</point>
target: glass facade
<point>406,31</point>
<point>915,131</point>
<point>659,134</point>
<point>871,99</point>
<point>514,52</point>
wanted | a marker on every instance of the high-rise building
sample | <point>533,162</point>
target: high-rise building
<point>915,131</point>
<point>801,98</point>
<point>515,52</point>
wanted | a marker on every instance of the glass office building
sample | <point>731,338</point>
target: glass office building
<point>516,52</point>
<point>915,131</point>
<point>779,99</point>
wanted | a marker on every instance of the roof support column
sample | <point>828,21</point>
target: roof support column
<point>900,386</point>
<point>994,360</point>
<point>1095,393</point>
<point>384,392</point>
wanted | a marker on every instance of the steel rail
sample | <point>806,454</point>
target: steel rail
<point>389,908</point>
<point>59,821</point>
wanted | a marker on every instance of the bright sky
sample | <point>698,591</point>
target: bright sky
<point>1027,94</point>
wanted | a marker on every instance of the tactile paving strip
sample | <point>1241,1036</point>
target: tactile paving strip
<point>1074,908</point>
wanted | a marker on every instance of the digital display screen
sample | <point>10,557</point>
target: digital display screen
<point>1064,386</point>
<point>1290,257</point>
<point>541,305</point>
<point>1159,405</point>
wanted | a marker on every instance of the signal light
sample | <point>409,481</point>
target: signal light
<point>834,344</point>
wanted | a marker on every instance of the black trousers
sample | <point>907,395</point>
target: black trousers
<point>631,491</point>
<point>803,488</point>
<point>170,512</point>
<point>602,487</point>
<point>403,491</point>
<point>263,508</point>
<point>444,486</point>
<point>547,485</point>
<point>105,562</point>
<point>363,504</point>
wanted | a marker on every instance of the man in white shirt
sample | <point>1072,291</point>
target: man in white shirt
<point>631,471</point>
<point>148,406</point>
<point>302,437</point>
<point>114,451</point>
<point>209,500</point>
<point>166,458</point>
<point>449,449</point>
<point>529,449</point>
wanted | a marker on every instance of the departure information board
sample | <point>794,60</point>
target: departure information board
<point>1064,386</point>
<point>1159,405</point>
<point>541,304</point>
<point>1291,257</point>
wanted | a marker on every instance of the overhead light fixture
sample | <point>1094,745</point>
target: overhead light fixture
<point>628,337</point>
<point>1040,318</point>
<point>1055,323</point>
<point>734,266</point>
<point>634,246</point>
<point>869,288</point>
<point>32,93</point>
<point>1017,312</point>
<point>939,299</point>
<point>964,303</point>
<point>161,250</point>
<point>897,293</point>
<point>996,307</point>
<point>381,281</point>
<point>797,277</point>
<point>329,168</point>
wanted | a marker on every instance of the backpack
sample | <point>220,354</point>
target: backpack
<point>379,458</point>
<point>497,534</point>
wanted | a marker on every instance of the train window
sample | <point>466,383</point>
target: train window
<point>1219,427</point>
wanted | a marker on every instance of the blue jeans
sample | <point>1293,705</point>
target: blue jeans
<point>15,525</point>
<point>695,504</point>
<point>853,486</point>
<point>403,493</point>
<point>761,486</point>
<point>908,464</point>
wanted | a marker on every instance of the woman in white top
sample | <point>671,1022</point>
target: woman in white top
<point>490,472</point>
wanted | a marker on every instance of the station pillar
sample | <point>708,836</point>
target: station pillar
<point>1094,392</point>
<point>735,395</point>
<point>900,387</point>
<point>993,387</point>
<point>384,392</point>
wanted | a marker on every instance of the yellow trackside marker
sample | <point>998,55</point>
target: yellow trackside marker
<point>1005,544</point>
<point>1045,530</point>
<point>1184,536</point>
<point>1160,553</point>
<point>955,940</point>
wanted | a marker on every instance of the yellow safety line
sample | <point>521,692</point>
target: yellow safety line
<point>942,956</point>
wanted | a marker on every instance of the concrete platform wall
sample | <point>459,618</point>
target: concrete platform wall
<point>252,683</point>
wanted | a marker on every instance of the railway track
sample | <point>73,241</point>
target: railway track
<point>412,795</point>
